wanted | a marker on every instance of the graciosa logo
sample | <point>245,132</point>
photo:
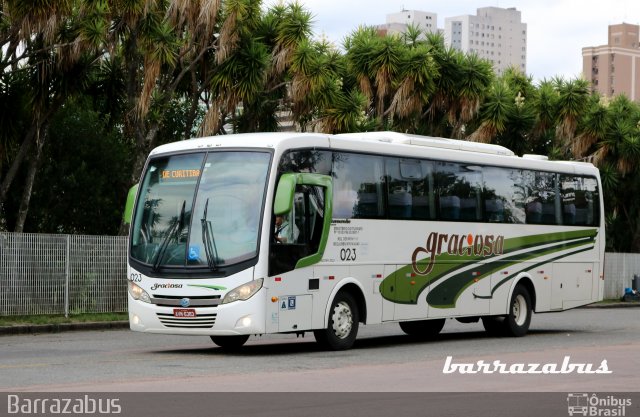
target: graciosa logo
<point>456,245</point>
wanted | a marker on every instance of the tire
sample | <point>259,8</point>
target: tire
<point>516,323</point>
<point>494,326</point>
<point>342,328</point>
<point>230,342</point>
<point>423,329</point>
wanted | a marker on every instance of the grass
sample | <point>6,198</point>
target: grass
<point>58,319</point>
<point>609,301</point>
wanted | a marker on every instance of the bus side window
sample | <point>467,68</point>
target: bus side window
<point>358,186</point>
<point>579,200</point>
<point>458,188</point>
<point>410,189</point>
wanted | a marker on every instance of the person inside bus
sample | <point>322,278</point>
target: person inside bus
<point>286,232</point>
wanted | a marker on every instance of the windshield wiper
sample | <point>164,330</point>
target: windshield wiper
<point>175,227</point>
<point>209,240</point>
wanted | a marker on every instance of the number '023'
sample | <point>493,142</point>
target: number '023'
<point>348,254</point>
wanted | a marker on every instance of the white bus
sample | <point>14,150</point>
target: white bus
<point>252,234</point>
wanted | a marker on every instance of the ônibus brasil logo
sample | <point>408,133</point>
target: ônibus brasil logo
<point>437,243</point>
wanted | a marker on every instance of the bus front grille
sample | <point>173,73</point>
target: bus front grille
<point>201,321</point>
<point>194,301</point>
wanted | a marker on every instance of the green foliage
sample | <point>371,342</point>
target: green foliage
<point>84,167</point>
<point>104,81</point>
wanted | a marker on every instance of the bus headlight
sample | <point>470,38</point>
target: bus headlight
<point>243,292</point>
<point>138,293</point>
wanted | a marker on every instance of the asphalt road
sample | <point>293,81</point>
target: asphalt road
<point>383,360</point>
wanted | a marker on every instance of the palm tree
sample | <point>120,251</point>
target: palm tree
<point>46,42</point>
<point>345,114</point>
<point>359,48</point>
<point>594,127</point>
<point>441,111</point>
<point>416,85</point>
<point>495,113</point>
<point>476,75</point>
<point>573,97</point>
<point>293,26</point>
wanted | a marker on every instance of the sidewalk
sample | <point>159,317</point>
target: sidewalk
<point>616,304</point>
<point>62,327</point>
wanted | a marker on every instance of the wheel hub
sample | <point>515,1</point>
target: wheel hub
<point>342,320</point>
<point>519,310</point>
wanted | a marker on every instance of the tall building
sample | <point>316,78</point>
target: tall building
<point>615,68</point>
<point>495,34</point>
<point>399,22</point>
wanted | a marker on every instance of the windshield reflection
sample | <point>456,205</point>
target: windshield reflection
<point>222,228</point>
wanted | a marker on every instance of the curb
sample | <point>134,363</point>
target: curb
<point>621,304</point>
<point>62,327</point>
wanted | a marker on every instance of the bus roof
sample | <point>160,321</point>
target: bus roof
<point>383,142</point>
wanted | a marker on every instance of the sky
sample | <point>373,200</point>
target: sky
<point>557,29</point>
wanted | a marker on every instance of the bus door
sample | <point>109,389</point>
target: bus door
<point>301,220</point>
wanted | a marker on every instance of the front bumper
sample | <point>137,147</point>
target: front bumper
<point>237,318</point>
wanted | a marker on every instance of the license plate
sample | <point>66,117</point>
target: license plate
<point>184,312</point>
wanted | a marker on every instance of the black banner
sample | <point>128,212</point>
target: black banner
<point>294,404</point>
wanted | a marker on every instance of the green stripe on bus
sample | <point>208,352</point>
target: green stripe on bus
<point>446,294</point>
<point>404,287</point>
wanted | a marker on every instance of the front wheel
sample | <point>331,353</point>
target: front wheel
<point>230,342</point>
<point>342,328</point>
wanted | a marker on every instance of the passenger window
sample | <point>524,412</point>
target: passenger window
<point>314,161</point>
<point>542,201</point>
<point>410,189</point>
<point>458,188</point>
<point>503,195</point>
<point>580,201</point>
<point>358,186</point>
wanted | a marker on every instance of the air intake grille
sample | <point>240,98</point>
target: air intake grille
<point>202,321</point>
<point>195,301</point>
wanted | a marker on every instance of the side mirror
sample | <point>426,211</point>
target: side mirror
<point>284,194</point>
<point>128,208</point>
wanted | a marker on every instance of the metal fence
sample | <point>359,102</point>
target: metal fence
<point>62,274</point>
<point>619,269</point>
<point>71,274</point>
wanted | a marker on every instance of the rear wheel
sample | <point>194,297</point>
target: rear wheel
<point>230,342</point>
<point>424,329</point>
<point>517,322</point>
<point>494,326</point>
<point>519,318</point>
<point>342,328</point>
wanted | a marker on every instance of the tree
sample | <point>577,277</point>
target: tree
<point>46,42</point>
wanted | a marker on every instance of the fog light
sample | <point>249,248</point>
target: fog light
<point>244,322</point>
<point>135,319</point>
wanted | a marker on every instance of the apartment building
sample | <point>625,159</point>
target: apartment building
<point>397,23</point>
<point>493,33</point>
<point>614,68</point>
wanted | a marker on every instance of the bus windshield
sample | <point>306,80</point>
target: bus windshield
<point>200,209</point>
